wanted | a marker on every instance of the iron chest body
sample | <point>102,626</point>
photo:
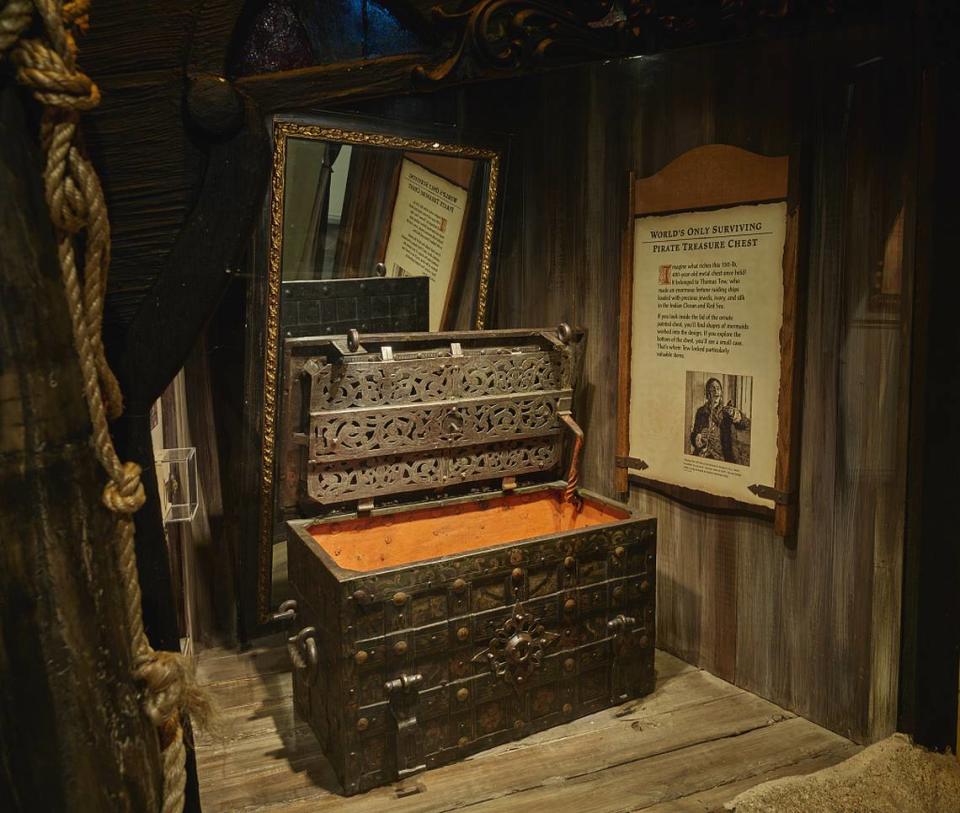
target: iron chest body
<point>453,593</point>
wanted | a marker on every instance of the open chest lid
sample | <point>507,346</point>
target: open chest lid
<point>397,416</point>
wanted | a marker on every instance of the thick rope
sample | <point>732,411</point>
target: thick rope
<point>15,16</point>
<point>75,199</point>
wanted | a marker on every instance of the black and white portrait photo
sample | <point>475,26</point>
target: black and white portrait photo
<point>718,412</point>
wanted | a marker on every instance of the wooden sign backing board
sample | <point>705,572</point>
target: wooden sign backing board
<point>706,178</point>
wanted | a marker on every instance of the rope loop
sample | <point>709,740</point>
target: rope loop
<point>53,83</point>
<point>126,495</point>
<point>170,687</point>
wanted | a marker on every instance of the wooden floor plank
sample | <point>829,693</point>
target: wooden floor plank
<point>713,799</point>
<point>634,738</point>
<point>632,757</point>
<point>252,691</point>
<point>673,775</point>
<point>220,665</point>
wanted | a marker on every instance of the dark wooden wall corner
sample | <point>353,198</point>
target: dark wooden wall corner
<point>930,655</point>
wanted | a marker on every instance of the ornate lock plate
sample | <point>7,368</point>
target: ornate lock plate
<point>517,649</point>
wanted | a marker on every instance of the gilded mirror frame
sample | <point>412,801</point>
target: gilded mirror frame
<point>285,128</point>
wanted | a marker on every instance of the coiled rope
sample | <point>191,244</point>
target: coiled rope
<point>46,64</point>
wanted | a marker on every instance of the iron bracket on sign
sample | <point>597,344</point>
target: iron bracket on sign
<point>771,493</point>
<point>631,463</point>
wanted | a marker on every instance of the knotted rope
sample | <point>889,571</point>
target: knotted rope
<point>47,66</point>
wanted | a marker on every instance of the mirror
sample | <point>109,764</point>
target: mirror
<point>356,200</point>
<point>362,202</point>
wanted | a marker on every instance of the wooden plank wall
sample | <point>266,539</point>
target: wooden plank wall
<point>813,625</point>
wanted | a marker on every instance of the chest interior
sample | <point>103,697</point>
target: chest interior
<point>411,536</point>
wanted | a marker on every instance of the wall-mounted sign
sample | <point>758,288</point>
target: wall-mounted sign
<point>708,362</point>
<point>705,354</point>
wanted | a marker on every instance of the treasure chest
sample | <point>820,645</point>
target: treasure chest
<point>454,590</point>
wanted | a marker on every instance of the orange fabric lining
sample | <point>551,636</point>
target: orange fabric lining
<point>429,533</point>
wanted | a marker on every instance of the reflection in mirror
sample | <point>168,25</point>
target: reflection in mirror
<point>350,203</point>
<point>360,204</point>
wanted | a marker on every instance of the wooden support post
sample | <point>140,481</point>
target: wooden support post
<point>72,736</point>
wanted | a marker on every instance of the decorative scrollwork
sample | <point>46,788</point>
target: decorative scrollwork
<point>432,420</point>
<point>375,476</point>
<point>419,381</point>
<point>494,38</point>
<point>390,431</point>
<point>517,649</point>
<point>502,36</point>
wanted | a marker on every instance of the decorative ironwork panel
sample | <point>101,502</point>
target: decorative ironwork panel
<point>436,375</point>
<point>359,433</point>
<point>357,479</point>
<point>415,413</point>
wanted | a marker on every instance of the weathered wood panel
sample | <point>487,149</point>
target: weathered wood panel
<point>72,736</point>
<point>812,624</point>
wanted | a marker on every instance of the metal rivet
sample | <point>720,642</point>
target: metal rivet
<point>462,741</point>
<point>363,724</point>
<point>515,557</point>
<point>570,605</point>
<point>567,708</point>
<point>619,551</point>
<point>400,647</point>
<point>569,563</point>
<point>463,633</point>
<point>569,664</point>
<point>644,586</point>
<point>518,724</point>
<point>459,585</point>
<point>400,599</point>
<point>360,596</point>
<point>463,695</point>
<point>360,657</point>
<point>517,574</point>
<point>618,592</point>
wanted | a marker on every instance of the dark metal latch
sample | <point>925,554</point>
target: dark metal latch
<point>404,696</point>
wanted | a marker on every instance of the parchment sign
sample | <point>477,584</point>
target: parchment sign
<point>425,232</point>
<point>705,356</point>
